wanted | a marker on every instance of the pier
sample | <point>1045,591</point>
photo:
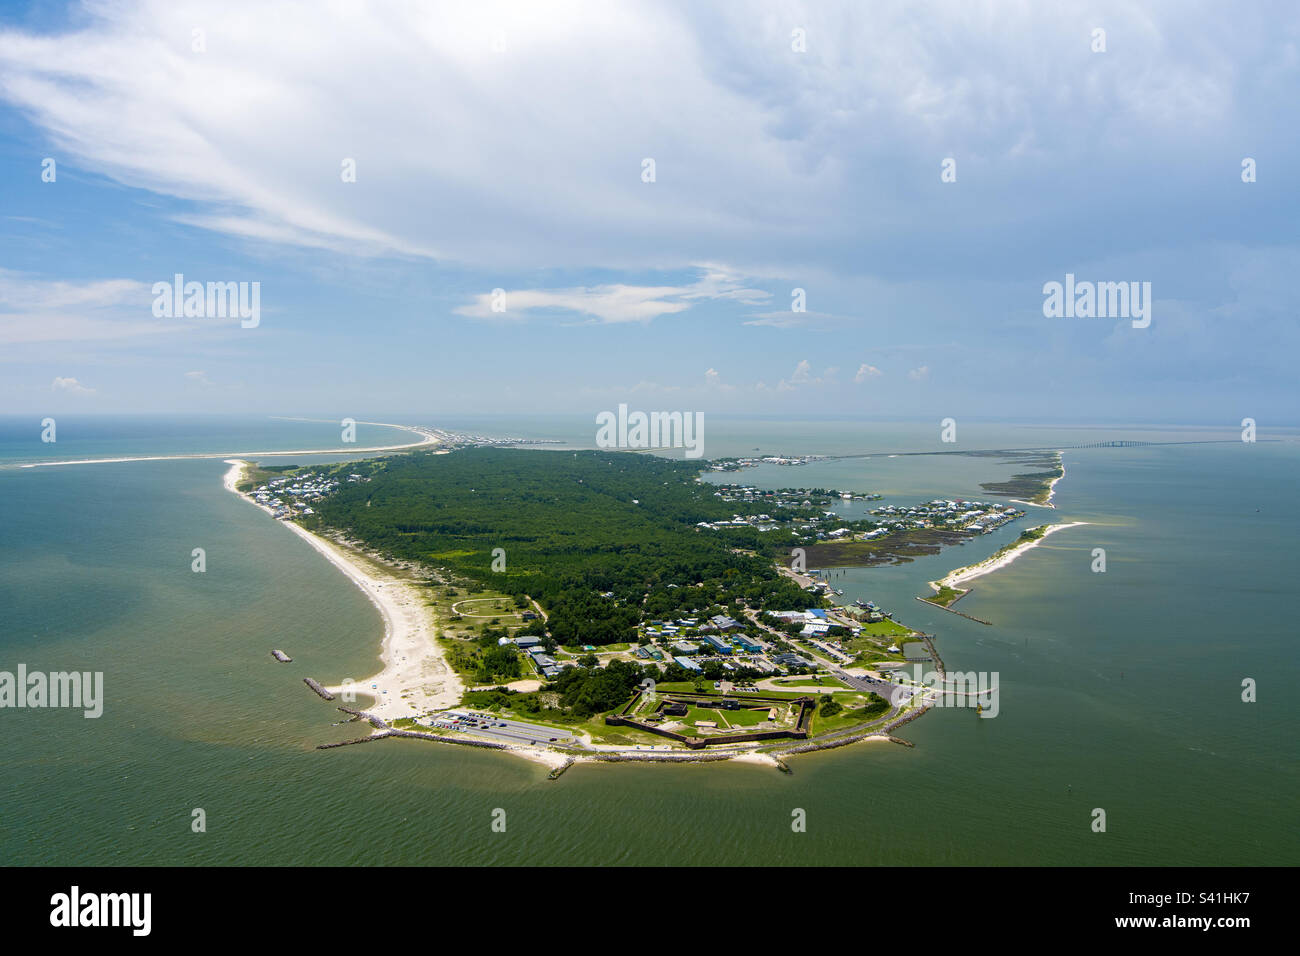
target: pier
<point>969,617</point>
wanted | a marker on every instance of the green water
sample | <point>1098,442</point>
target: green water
<point>1118,690</point>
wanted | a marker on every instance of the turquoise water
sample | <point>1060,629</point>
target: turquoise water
<point>1118,690</point>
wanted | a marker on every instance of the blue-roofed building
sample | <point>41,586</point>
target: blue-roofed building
<point>817,612</point>
<point>748,644</point>
<point>722,646</point>
<point>686,662</point>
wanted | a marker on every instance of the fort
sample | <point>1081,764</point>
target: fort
<point>648,712</point>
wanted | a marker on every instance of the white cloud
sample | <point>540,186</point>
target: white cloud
<point>921,374</point>
<point>200,377</point>
<point>803,375</point>
<point>20,292</point>
<point>713,380</point>
<point>37,310</point>
<point>866,372</point>
<point>531,157</point>
<point>613,303</point>
<point>71,386</point>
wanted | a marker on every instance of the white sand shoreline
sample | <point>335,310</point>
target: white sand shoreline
<point>415,675</point>
<point>959,576</point>
<point>426,438</point>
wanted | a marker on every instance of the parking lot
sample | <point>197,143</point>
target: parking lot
<point>502,728</point>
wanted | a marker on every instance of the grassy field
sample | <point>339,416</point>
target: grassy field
<point>486,607</point>
<point>946,596</point>
<point>725,718</point>
<point>850,716</point>
<point>885,628</point>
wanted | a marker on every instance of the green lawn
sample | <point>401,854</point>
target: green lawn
<point>850,716</point>
<point>885,628</point>
<point>946,596</point>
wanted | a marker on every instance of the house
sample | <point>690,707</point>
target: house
<point>687,663</point>
<point>527,642</point>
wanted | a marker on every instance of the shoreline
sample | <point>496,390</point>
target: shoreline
<point>1051,490</point>
<point>955,578</point>
<point>426,438</point>
<point>415,673</point>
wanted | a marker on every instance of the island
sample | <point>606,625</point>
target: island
<point>607,605</point>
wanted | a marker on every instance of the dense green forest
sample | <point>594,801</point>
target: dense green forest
<point>602,540</point>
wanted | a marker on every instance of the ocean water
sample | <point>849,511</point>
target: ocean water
<point>88,437</point>
<point>1119,691</point>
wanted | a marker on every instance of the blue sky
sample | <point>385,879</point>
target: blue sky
<point>502,146</point>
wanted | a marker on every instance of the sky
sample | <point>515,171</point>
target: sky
<point>767,208</point>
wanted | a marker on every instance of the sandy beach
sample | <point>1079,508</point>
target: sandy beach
<point>954,579</point>
<point>426,438</point>
<point>415,678</point>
